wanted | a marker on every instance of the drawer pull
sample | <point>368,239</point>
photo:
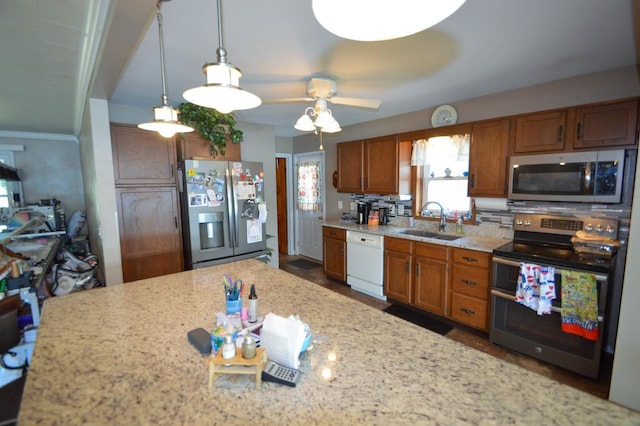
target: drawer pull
<point>468,311</point>
<point>470,259</point>
<point>469,282</point>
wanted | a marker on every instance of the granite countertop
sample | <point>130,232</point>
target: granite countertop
<point>120,355</point>
<point>473,241</point>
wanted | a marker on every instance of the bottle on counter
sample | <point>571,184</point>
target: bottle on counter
<point>229,347</point>
<point>459,227</point>
<point>248,347</point>
<point>253,304</point>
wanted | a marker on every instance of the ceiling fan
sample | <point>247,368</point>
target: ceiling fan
<point>323,90</point>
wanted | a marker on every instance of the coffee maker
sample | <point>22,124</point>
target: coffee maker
<point>362,212</point>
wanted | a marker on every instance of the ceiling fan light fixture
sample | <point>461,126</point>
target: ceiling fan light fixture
<point>326,122</point>
<point>304,123</point>
<point>165,118</point>
<point>221,90</point>
<point>376,20</point>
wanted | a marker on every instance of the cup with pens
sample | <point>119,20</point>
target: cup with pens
<point>233,294</point>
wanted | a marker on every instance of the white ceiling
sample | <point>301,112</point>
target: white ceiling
<point>49,48</point>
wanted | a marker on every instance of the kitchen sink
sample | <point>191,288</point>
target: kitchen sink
<point>429,234</point>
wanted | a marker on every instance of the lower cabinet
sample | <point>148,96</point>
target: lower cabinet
<point>450,282</point>
<point>334,252</point>
<point>470,287</point>
<point>150,235</point>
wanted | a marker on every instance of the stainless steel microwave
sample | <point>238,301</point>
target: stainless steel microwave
<point>593,176</point>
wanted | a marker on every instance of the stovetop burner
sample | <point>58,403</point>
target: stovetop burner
<point>546,239</point>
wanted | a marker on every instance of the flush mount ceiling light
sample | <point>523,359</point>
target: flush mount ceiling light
<point>374,20</point>
<point>221,91</point>
<point>165,118</point>
<point>323,122</point>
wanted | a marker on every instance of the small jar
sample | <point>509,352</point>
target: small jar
<point>248,347</point>
<point>229,347</point>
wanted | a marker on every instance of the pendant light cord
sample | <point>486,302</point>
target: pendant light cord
<point>221,52</point>
<point>164,96</point>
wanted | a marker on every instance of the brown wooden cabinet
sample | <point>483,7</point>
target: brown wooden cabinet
<point>431,277</point>
<point>374,166</point>
<point>398,267</point>
<point>147,202</point>
<point>141,157</point>
<point>488,156</point>
<point>540,132</point>
<point>334,252</point>
<point>193,145</point>
<point>150,237</point>
<point>470,287</point>
<point>606,125</point>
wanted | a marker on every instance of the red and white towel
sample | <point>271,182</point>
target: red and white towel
<point>536,287</point>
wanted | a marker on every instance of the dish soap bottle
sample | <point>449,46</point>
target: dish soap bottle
<point>459,229</point>
<point>253,304</point>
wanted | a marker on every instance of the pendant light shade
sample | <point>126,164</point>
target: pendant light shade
<point>373,20</point>
<point>221,90</point>
<point>165,117</point>
<point>323,122</point>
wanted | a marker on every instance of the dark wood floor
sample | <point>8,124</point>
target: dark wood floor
<point>469,337</point>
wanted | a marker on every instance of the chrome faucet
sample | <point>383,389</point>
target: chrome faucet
<point>443,217</point>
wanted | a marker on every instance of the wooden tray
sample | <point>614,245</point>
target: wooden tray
<point>237,365</point>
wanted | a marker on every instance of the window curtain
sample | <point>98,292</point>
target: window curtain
<point>309,186</point>
<point>441,149</point>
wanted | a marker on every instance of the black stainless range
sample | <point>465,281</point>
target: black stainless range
<point>545,240</point>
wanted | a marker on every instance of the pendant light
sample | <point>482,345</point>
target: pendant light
<point>165,117</point>
<point>372,20</point>
<point>222,91</point>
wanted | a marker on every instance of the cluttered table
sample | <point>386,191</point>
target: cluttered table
<point>120,355</point>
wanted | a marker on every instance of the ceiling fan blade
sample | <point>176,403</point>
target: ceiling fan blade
<point>287,100</point>
<point>356,102</point>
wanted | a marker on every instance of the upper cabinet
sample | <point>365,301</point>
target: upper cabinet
<point>374,166</point>
<point>193,145</point>
<point>606,125</point>
<point>540,132</point>
<point>488,158</point>
<point>141,157</point>
<point>595,126</point>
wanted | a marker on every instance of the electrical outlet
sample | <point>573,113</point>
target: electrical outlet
<point>340,204</point>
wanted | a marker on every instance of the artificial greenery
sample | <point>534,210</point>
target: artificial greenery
<point>211,125</point>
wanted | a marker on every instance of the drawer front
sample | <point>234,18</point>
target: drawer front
<point>337,233</point>
<point>472,282</point>
<point>469,311</point>
<point>397,244</point>
<point>432,251</point>
<point>472,257</point>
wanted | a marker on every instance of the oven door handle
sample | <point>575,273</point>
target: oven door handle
<point>599,277</point>
<point>511,298</point>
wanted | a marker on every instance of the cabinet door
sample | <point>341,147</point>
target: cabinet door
<point>606,125</point>
<point>381,165</point>
<point>350,159</point>
<point>150,236</point>
<point>541,132</point>
<point>193,145</point>
<point>488,158</point>
<point>141,157</point>
<point>431,277</point>
<point>397,276</point>
<point>334,250</point>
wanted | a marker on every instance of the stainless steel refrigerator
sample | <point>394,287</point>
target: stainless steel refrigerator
<point>223,212</point>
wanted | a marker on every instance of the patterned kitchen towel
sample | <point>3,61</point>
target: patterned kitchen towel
<point>536,287</point>
<point>580,304</point>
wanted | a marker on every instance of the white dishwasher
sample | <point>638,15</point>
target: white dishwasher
<point>365,262</point>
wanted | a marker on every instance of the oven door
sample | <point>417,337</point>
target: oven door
<point>520,328</point>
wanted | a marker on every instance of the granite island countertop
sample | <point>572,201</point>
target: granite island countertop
<point>473,241</point>
<point>120,355</point>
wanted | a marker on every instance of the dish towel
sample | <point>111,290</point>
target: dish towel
<point>536,287</point>
<point>580,304</point>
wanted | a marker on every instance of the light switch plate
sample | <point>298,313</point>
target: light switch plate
<point>340,204</point>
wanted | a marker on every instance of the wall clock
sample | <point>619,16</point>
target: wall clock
<point>444,115</point>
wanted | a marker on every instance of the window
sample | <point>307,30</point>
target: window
<point>442,173</point>
<point>8,189</point>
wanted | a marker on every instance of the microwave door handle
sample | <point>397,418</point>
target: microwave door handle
<point>599,277</point>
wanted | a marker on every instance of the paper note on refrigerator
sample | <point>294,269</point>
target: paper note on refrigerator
<point>245,190</point>
<point>254,231</point>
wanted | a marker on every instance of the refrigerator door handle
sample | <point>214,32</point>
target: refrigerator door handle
<point>233,216</point>
<point>180,182</point>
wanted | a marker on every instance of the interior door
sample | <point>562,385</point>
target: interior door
<point>309,220</point>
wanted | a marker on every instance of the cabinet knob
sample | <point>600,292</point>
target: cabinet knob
<point>468,311</point>
<point>470,259</point>
<point>469,282</point>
